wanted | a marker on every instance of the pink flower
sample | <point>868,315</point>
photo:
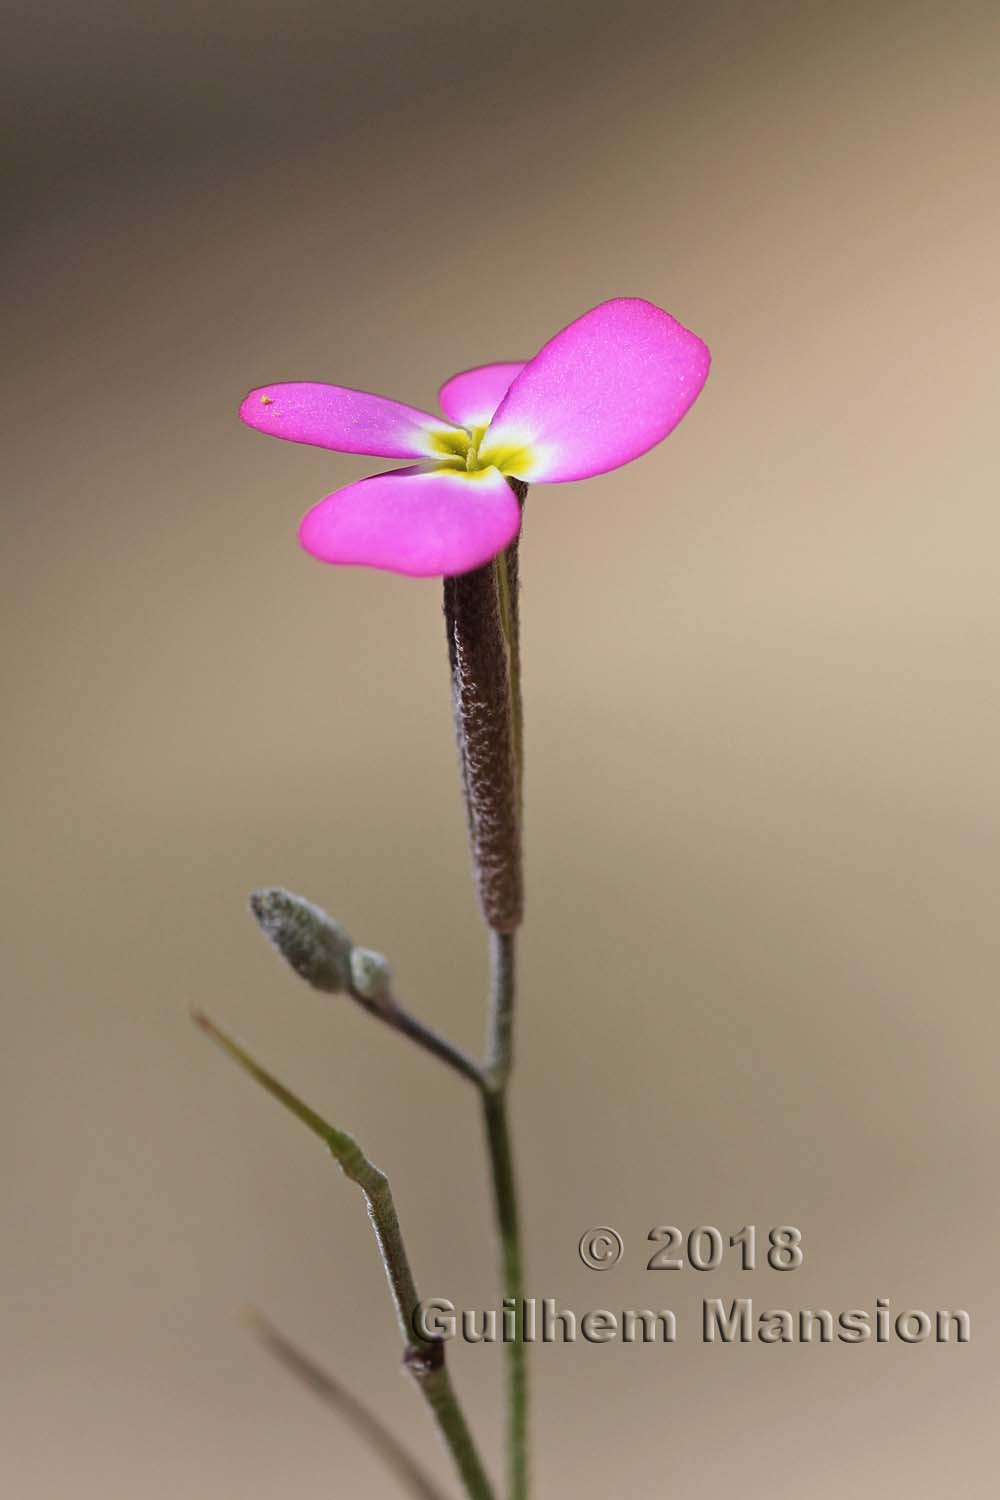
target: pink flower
<point>603,391</point>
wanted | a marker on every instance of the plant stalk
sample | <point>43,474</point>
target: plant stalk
<point>498,1139</point>
<point>482,618</point>
<point>423,1358</point>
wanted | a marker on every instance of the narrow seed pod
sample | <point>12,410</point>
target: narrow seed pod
<point>481,618</point>
<point>311,942</point>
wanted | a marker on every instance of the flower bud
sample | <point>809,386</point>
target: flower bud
<point>313,944</point>
<point>370,974</point>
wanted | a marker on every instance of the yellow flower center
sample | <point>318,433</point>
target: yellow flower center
<point>460,449</point>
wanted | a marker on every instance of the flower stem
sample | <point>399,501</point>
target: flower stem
<point>395,1015</point>
<point>423,1358</point>
<point>494,1095</point>
<point>482,618</point>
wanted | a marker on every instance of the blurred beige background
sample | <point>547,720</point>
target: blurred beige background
<point>760,967</point>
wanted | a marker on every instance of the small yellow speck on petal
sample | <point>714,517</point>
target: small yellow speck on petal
<point>267,400</point>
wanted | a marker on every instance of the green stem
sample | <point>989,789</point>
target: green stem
<point>400,1019</point>
<point>423,1358</point>
<point>494,1096</point>
<point>500,1026</point>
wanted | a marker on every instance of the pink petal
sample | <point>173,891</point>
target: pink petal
<point>603,391</point>
<point>423,522</point>
<point>331,416</point>
<point>472,397</point>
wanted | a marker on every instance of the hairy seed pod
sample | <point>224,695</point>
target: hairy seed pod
<point>309,940</point>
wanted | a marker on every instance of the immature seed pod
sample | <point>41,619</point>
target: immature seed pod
<point>315,946</point>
